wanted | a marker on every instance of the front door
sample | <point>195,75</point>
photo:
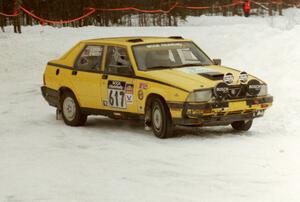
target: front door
<point>117,81</point>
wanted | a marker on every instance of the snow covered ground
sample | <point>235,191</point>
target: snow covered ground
<point>41,159</point>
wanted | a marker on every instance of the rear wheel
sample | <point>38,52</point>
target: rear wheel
<point>242,125</point>
<point>71,112</point>
<point>161,120</point>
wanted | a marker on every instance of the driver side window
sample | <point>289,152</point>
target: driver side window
<point>117,61</point>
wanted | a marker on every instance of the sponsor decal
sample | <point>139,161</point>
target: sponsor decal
<point>96,51</point>
<point>143,86</point>
<point>140,95</point>
<point>163,45</point>
<point>116,94</point>
<point>254,87</point>
<point>129,98</point>
<point>117,85</point>
<point>129,93</point>
<point>129,88</point>
<point>196,70</point>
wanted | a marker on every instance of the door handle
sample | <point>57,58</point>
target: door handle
<point>104,76</point>
<point>74,72</point>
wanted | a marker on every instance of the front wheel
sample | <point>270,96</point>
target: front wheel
<point>242,125</point>
<point>161,119</point>
<point>71,112</point>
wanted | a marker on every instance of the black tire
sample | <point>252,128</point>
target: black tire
<point>242,125</point>
<point>159,110</point>
<point>77,118</point>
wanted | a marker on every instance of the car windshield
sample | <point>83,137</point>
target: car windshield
<point>169,55</point>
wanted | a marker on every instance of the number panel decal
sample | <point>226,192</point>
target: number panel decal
<point>119,94</point>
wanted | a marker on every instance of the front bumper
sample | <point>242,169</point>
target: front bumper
<point>219,113</point>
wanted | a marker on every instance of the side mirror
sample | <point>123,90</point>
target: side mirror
<point>217,61</point>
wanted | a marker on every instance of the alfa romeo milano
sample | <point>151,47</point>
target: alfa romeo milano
<point>165,81</point>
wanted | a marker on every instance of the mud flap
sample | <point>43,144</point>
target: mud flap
<point>148,120</point>
<point>58,114</point>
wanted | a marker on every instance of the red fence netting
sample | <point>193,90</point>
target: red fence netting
<point>91,10</point>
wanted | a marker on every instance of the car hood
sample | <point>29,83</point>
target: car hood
<point>194,77</point>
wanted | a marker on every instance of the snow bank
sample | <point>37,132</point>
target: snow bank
<point>291,18</point>
<point>41,159</point>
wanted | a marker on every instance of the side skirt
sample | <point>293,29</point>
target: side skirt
<point>110,113</point>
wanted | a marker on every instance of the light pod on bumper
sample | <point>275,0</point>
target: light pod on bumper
<point>221,90</point>
<point>243,78</point>
<point>254,87</point>
<point>228,78</point>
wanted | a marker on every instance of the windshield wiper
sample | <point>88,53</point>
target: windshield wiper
<point>159,67</point>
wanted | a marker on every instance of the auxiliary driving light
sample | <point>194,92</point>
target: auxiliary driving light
<point>243,78</point>
<point>254,87</point>
<point>228,78</point>
<point>221,90</point>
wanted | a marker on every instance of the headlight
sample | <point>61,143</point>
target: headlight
<point>200,96</point>
<point>263,90</point>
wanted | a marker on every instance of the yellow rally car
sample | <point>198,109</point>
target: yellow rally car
<point>165,81</point>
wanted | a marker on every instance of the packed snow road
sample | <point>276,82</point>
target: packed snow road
<point>41,159</point>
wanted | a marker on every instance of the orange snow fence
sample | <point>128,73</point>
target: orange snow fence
<point>138,10</point>
<point>16,13</point>
<point>42,20</point>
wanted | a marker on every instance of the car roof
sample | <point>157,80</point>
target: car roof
<point>134,40</point>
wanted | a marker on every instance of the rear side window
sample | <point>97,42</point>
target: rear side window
<point>90,58</point>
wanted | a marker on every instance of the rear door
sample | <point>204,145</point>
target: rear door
<point>117,81</point>
<point>87,76</point>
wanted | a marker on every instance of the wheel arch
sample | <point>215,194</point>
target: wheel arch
<point>149,99</point>
<point>166,127</point>
<point>64,89</point>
